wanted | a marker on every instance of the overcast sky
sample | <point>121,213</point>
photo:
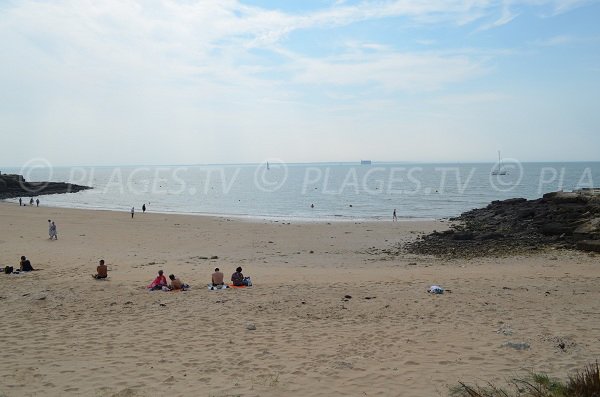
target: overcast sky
<point>228,81</point>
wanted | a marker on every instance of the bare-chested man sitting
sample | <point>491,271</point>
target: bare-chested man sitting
<point>217,278</point>
<point>102,270</point>
<point>176,283</point>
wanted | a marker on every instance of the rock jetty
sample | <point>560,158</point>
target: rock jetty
<point>13,186</point>
<point>559,219</point>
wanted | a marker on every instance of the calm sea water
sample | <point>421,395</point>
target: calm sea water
<point>335,191</point>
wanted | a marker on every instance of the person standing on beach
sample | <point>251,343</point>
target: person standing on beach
<point>53,233</point>
<point>31,201</point>
<point>144,207</point>
<point>50,228</point>
<point>20,201</point>
<point>37,202</point>
<point>394,217</point>
<point>132,212</point>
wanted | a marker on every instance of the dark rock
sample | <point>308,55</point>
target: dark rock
<point>526,213</point>
<point>564,197</point>
<point>589,245</point>
<point>561,220</point>
<point>490,236</point>
<point>463,236</point>
<point>556,229</point>
<point>12,186</point>
<point>514,201</point>
<point>585,229</point>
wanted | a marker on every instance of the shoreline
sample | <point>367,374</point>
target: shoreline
<point>245,218</point>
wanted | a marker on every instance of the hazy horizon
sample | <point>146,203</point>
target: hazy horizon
<point>243,82</point>
<point>34,164</point>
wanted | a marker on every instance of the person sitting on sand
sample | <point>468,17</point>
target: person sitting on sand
<point>102,271</point>
<point>159,282</point>
<point>217,278</point>
<point>238,278</point>
<point>177,284</point>
<point>25,265</point>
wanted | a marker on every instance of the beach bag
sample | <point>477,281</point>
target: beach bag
<point>8,269</point>
<point>435,289</point>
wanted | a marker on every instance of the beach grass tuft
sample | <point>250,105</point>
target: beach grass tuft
<point>585,383</point>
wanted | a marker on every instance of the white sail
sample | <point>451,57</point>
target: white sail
<point>499,170</point>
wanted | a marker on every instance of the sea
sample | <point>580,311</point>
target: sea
<point>316,192</point>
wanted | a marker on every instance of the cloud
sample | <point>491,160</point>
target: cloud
<point>554,41</point>
<point>506,16</point>
<point>223,75</point>
<point>470,98</point>
<point>426,42</point>
<point>563,6</point>
<point>388,70</point>
<point>208,45</point>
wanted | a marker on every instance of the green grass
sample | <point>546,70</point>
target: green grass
<point>585,383</point>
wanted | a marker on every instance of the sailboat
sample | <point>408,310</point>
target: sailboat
<point>499,170</point>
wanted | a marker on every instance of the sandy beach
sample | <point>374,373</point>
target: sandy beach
<point>67,334</point>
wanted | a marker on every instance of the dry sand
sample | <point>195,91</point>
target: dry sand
<point>67,334</point>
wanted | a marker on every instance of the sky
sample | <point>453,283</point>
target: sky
<point>120,82</point>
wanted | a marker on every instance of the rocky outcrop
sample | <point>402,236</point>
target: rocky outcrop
<point>589,245</point>
<point>12,186</point>
<point>559,219</point>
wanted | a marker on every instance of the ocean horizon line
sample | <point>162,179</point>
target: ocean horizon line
<point>326,163</point>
